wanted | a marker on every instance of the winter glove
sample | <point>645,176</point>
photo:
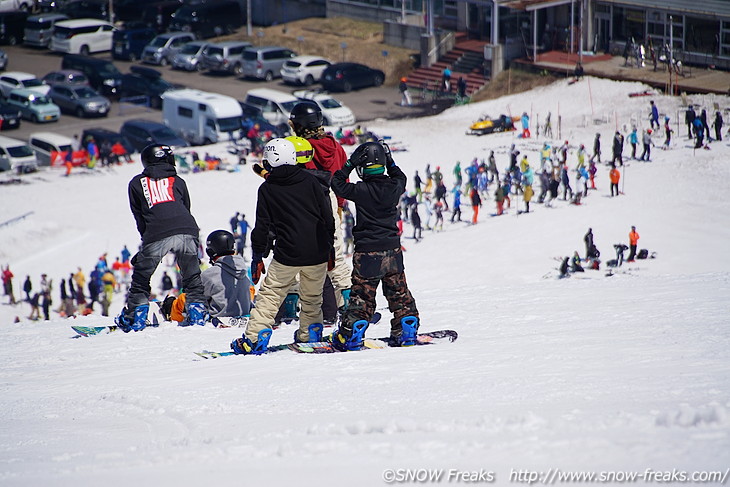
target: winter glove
<point>260,170</point>
<point>257,267</point>
<point>388,154</point>
<point>331,260</point>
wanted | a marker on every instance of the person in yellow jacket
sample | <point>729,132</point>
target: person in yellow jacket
<point>109,283</point>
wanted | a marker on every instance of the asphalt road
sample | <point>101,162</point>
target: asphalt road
<point>367,104</point>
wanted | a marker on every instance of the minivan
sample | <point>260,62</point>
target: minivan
<point>33,106</point>
<point>16,155</point>
<point>163,48</point>
<point>128,43</point>
<point>39,28</point>
<point>265,62</point>
<point>82,36</point>
<point>275,106</point>
<point>103,76</point>
<point>225,56</point>
<point>49,146</point>
<point>208,19</point>
<point>12,26</point>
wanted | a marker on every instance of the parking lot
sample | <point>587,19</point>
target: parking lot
<point>367,104</point>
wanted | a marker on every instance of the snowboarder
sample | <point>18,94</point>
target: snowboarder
<point>667,134</point>
<point>618,148</point>
<point>633,242</point>
<point>307,121</point>
<point>405,94</point>
<point>27,288</point>
<point>417,182</point>
<point>654,115</point>
<point>689,118</point>
<point>596,149</point>
<point>705,124</point>
<point>416,221</point>
<point>615,176</point>
<point>225,283</point>
<point>160,204</point>
<point>291,203</point>
<point>476,203</point>
<point>633,140</point>
<point>456,211</point>
<point>588,239</point>
<point>647,142</point>
<point>575,263</point>
<point>525,119</point>
<point>378,254</point>
<point>7,277</point>
<point>717,124</point>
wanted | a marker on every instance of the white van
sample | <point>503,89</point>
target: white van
<point>48,146</point>
<point>16,155</point>
<point>82,36</point>
<point>275,106</point>
<point>201,117</point>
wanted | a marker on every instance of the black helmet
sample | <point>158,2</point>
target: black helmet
<point>157,154</point>
<point>370,158</point>
<point>219,243</point>
<point>306,115</point>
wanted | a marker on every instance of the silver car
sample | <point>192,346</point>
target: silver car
<point>164,47</point>
<point>189,57</point>
<point>82,101</point>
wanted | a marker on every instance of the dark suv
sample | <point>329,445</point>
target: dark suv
<point>147,82</point>
<point>141,133</point>
<point>103,76</point>
<point>128,43</point>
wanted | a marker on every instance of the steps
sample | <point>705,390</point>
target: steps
<point>465,61</point>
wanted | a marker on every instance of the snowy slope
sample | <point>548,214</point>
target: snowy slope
<point>592,373</point>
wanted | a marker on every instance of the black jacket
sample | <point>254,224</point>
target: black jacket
<point>376,204</point>
<point>160,203</point>
<point>293,205</point>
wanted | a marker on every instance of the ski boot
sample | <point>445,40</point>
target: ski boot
<point>197,314</point>
<point>314,331</point>
<point>355,341</point>
<point>244,346</point>
<point>409,332</point>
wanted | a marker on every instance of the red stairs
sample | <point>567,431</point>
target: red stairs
<point>464,60</point>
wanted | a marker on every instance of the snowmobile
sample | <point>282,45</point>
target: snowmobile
<point>486,125</point>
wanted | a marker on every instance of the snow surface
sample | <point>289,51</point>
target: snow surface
<point>592,373</point>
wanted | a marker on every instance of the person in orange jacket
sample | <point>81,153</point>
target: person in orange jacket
<point>633,242</point>
<point>614,175</point>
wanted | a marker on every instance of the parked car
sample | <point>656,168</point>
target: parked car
<point>208,19</point>
<point>349,76</point>
<point>275,105</point>
<point>190,56</point>
<point>101,136</point>
<point>82,36</point>
<point>334,113</point>
<point>16,155</point>
<point>163,48</point>
<point>39,28</point>
<point>141,133</point>
<point>17,79</point>
<point>83,101</point>
<point>130,42</point>
<point>48,145</point>
<point>3,60</point>
<point>66,77</point>
<point>86,9</point>
<point>225,56</point>
<point>103,75</point>
<point>265,62</point>
<point>12,27</point>
<point>9,116</point>
<point>24,5</point>
<point>304,70</point>
<point>34,106</point>
<point>147,82</point>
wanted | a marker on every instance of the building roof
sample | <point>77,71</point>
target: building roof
<point>711,8</point>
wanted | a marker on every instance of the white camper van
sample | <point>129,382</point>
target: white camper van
<point>201,117</point>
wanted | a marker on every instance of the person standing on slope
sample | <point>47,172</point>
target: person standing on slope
<point>378,253</point>
<point>307,121</point>
<point>160,204</point>
<point>633,243</point>
<point>293,207</point>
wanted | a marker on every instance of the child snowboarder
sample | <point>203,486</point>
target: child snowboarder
<point>378,254</point>
<point>160,204</point>
<point>293,206</point>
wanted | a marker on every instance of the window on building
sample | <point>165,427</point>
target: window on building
<point>702,35</point>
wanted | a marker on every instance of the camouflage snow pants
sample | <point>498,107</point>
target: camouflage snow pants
<point>369,269</point>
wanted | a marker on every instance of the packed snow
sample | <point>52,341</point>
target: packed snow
<point>617,374</point>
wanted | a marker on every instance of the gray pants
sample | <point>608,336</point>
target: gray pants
<point>145,262</point>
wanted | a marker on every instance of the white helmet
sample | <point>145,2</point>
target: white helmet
<point>280,152</point>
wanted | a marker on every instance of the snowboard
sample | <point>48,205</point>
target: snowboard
<point>86,331</point>
<point>428,338</point>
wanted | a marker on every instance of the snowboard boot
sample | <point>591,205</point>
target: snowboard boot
<point>244,346</point>
<point>123,321</point>
<point>291,305</point>
<point>344,340</point>
<point>346,299</point>
<point>409,332</point>
<point>314,331</point>
<point>197,314</point>
<point>166,307</point>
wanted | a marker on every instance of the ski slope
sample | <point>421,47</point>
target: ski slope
<point>597,374</point>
